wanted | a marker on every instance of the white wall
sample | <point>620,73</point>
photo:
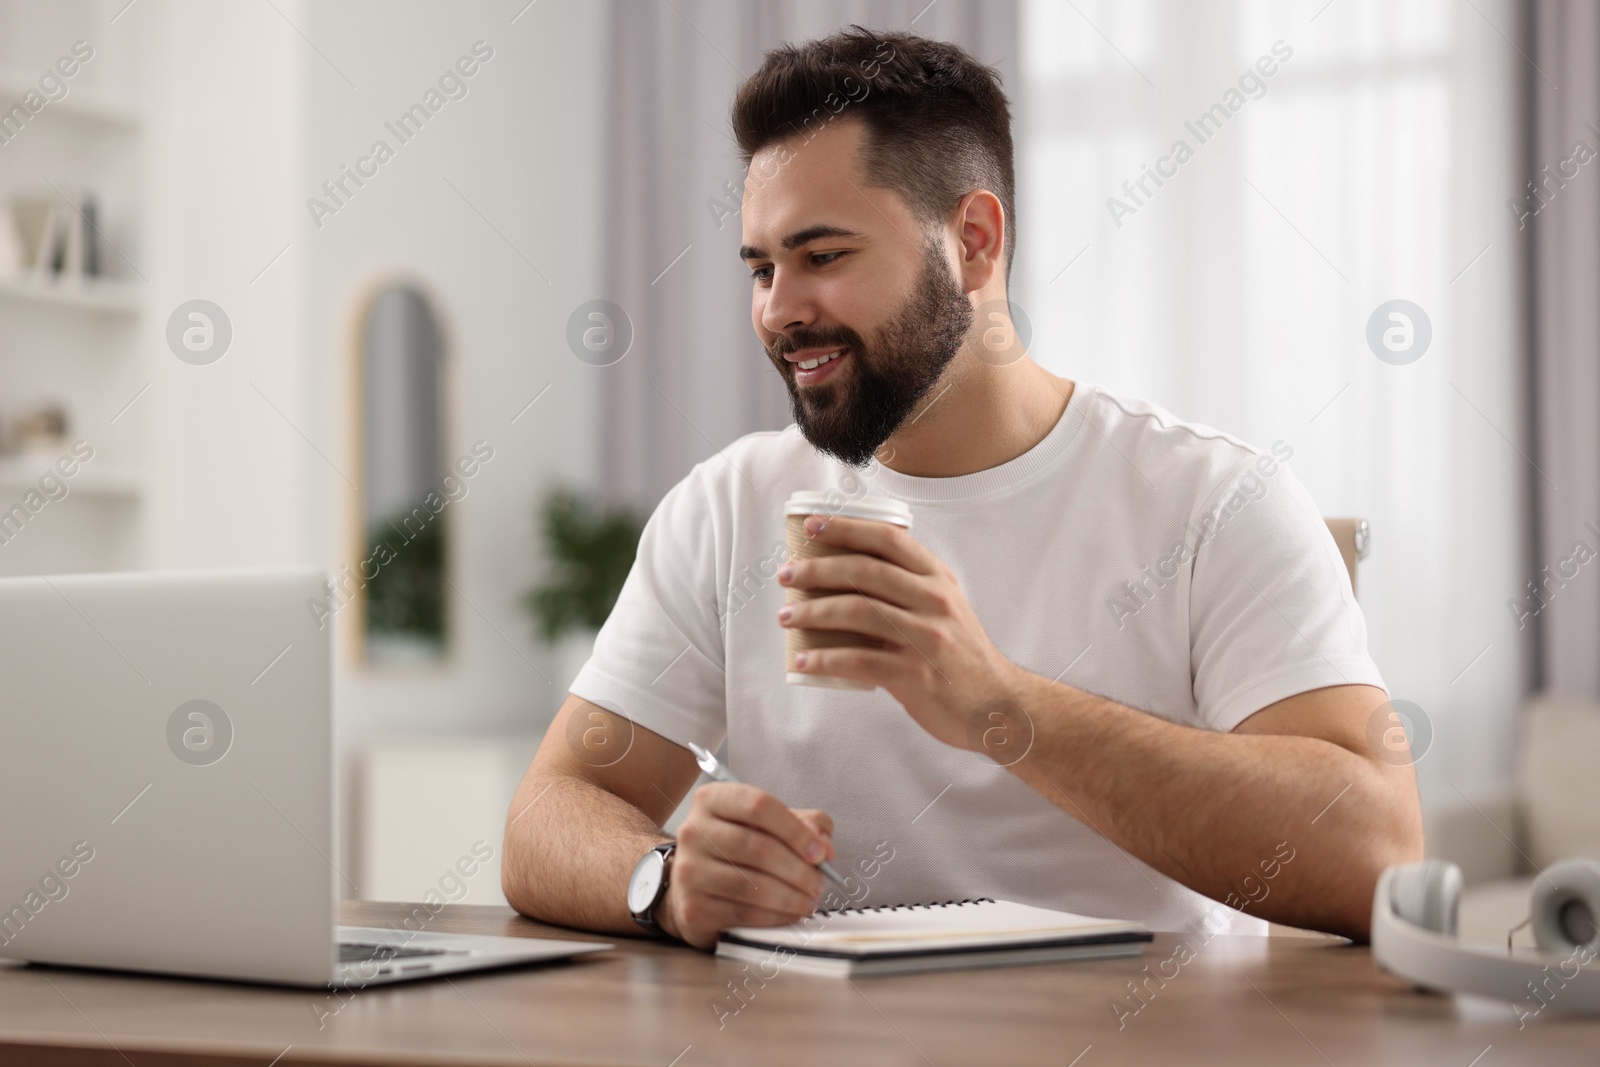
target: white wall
<point>499,188</point>
<point>225,148</point>
<point>493,206</point>
<point>248,116</point>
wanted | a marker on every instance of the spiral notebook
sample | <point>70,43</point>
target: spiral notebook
<point>948,935</point>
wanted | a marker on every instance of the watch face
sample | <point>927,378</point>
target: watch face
<point>646,881</point>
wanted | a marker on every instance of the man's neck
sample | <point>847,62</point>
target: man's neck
<point>977,417</point>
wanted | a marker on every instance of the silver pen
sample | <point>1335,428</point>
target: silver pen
<point>713,767</point>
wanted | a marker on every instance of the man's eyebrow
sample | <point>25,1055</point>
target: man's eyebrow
<point>801,237</point>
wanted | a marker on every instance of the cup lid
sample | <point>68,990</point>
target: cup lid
<point>833,502</point>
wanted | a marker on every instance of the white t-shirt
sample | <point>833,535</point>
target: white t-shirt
<point>1159,564</point>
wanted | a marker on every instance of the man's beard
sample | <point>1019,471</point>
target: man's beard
<point>854,412</point>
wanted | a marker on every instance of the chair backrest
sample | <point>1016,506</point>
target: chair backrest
<point>1353,538</point>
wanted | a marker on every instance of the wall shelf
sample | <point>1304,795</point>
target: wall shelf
<point>82,104</point>
<point>20,473</point>
<point>72,341</point>
<point>98,297</point>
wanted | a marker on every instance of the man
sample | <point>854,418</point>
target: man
<point>1121,673</point>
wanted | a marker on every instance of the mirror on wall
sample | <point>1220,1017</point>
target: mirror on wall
<point>405,528</point>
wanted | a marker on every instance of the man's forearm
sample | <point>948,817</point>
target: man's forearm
<point>569,849</point>
<point>1211,809</point>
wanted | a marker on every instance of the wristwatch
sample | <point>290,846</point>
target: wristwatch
<point>647,887</point>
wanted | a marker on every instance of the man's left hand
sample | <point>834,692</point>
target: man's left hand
<point>936,659</point>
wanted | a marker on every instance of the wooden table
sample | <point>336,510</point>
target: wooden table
<point>1237,1000</point>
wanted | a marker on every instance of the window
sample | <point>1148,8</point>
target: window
<point>1232,283</point>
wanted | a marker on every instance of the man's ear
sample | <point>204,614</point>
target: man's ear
<point>981,222</point>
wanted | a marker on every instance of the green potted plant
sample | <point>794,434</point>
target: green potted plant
<point>588,551</point>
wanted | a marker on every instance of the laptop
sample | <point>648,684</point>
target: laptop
<point>167,778</point>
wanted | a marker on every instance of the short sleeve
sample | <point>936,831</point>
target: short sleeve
<point>658,659</point>
<point>1271,611</point>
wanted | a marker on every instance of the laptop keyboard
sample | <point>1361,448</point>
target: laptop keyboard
<point>361,952</point>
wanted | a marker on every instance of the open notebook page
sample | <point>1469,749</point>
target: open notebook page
<point>930,926</point>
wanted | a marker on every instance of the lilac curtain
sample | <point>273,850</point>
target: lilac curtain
<point>1557,215</point>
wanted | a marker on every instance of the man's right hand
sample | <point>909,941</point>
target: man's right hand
<point>743,859</point>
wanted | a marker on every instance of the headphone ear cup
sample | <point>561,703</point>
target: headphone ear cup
<point>1565,906</point>
<point>1428,895</point>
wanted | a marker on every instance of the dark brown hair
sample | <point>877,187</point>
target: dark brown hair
<point>937,122</point>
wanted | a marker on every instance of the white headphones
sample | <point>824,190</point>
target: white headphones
<point>1414,937</point>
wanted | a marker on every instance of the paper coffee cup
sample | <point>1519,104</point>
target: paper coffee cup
<point>830,503</point>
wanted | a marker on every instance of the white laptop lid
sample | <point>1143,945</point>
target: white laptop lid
<point>166,773</point>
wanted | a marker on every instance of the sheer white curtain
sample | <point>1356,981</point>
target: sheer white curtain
<point>695,378</point>
<point>1355,152</point>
